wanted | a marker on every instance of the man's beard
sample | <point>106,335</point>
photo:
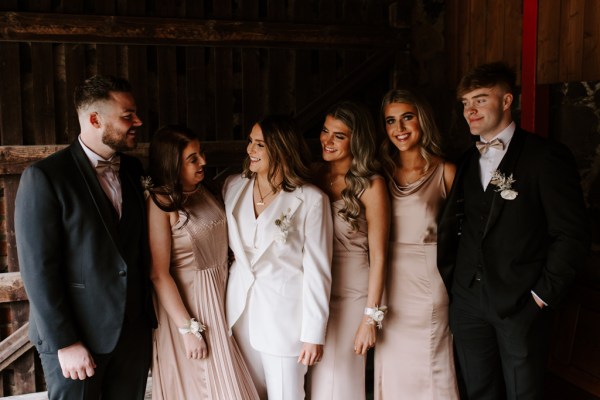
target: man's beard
<point>117,141</point>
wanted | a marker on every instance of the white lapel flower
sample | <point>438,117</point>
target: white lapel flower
<point>146,185</point>
<point>504,185</point>
<point>284,223</point>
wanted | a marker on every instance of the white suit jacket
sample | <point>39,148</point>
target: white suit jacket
<point>285,288</point>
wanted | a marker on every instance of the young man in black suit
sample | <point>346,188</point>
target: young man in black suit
<point>511,239</point>
<point>80,226</point>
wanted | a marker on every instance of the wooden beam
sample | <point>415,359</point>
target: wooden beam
<point>14,346</point>
<point>14,159</point>
<point>11,287</point>
<point>68,28</point>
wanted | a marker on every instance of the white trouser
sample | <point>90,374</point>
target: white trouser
<point>281,378</point>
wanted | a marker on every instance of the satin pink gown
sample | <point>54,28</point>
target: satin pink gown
<point>199,266</point>
<point>341,373</point>
<point>413,355</point>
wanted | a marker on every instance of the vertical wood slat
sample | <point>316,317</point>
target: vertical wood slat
<point>464,28</point>
<point>478,12</point>
<point>513,15</point>
<point>251,93</point>
<point>167,85</point>
<point>302,68</point>
<point>11,126</point>
<point>196,85</point>
<point>43,93</point>
<point>548,40</point>
<point>137,74</point>
<point>223,78</point>
<point>452,45</point>
<point>494,31</point>
<point>196,88</point>
<point>327,58</point>
<point>571,48</point>
<point>591,41</point>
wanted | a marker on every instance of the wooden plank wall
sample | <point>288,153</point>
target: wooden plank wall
<point>219,89</point>
<point>481,31</point>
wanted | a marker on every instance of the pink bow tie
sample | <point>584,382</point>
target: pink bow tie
<point>484,146</point>
<point>114,164</point>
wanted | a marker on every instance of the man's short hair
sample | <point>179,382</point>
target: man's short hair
<point>487,76</point>
<point>98,87</point>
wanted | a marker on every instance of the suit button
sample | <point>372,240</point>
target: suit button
<point>122,273</point>
<point>40,342</point>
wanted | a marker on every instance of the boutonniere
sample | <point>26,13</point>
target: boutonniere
<point>147,184</point>
<point>504,185</point>
<point>284,223</point>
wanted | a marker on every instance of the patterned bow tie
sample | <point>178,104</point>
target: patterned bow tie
<point>483,146</point>
<point>114,164</point>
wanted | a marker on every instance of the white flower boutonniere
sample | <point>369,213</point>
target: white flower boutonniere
<point>146,185</point>
<point>284,223</point>
<point>504,185</point>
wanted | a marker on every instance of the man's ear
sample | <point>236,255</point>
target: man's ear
<point>95,120</point>
<point>507,101</point>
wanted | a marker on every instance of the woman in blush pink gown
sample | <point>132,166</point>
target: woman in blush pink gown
<point>414,358</point>
<point>360,209</point>
<point>194,357</point>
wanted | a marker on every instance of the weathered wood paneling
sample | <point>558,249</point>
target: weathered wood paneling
<point>480,31</point>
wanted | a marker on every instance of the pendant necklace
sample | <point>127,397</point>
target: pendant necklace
<point>262,198</point>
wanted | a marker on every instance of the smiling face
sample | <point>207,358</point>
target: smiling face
<point>257,152</point>
<point>487,111</point>
<point>335,140</point>
<point>192,166</point>
<point>402,125</point>
<point>119,119</point>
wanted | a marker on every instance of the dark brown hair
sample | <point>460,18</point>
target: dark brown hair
<point>287,150</point>
<point>165,153</point>
<point>487,76</point>
<point>98,87</point>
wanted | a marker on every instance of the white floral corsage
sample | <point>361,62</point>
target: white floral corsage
<point>146,185</point>
<point>376,315</point>
<point>504,185</point>
<point>284,223</point>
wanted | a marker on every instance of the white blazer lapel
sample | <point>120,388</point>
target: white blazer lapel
<point>235,240</point>
<point>285,206</point>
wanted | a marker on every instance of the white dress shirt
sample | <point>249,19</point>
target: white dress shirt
<point>489,161</point>
<point>108,179</point>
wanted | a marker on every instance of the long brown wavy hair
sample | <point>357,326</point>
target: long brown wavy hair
<point>363,147</point>
<point>288,153</point>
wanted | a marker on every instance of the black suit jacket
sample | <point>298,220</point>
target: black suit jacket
<point>74,273</point>
<point>535,242</point>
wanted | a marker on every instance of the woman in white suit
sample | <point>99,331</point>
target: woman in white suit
<point>280,231</point>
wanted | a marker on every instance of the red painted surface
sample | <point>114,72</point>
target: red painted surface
<point>529,65</point>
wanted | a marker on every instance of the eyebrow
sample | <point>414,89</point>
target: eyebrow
<point>191,155</point>
<point>476,96</point>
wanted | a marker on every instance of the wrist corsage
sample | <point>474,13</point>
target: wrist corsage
<point>194,327</point>
<point>376,315</point>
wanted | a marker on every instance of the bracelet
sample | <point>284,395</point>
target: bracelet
<point>194,327</point>
<point>376,315</point>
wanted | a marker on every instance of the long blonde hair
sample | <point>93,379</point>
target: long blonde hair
<point>364,156</point>
<point>430,136</point>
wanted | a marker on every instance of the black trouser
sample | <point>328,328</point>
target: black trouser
<point>499,358</point>
<point>120,375</point>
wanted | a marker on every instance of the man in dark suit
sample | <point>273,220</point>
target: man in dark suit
<point>511,238</point>
<point>80,226</point>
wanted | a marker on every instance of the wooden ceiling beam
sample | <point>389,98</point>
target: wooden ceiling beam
<point>68,28</point>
